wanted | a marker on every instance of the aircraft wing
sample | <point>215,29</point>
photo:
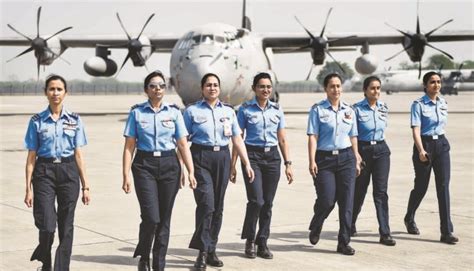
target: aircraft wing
<point>293,43</point>
<point>162,44</point>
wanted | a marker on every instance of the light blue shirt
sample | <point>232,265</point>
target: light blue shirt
<point>261,124</point>
<point>55,138</point>
<point>211,126</point>
<point>371,123</point>
<point>333,128</point>
<point>155,131</point>
<point>430,116</point>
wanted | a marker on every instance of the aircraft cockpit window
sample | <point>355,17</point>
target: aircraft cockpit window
<point>219,39</point>
<point>196,39</point>
<point>207,39</point>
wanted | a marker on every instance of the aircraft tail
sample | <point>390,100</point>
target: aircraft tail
<point>246,20</point>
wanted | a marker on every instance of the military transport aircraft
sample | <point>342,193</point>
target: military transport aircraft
<point>235,54</point>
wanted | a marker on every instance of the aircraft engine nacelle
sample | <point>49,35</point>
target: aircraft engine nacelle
<point>366,64</point>
<point>98,66</point>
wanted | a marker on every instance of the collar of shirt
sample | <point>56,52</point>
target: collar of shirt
<point>426,99</point>
<point>205,103</point>
<point>46,114</point>
<point>163,106</point>
<point>255,103</point>
<point>326,104</point>
<point>365,103</point>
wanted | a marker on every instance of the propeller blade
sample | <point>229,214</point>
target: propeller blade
<point>460,66</point>
<point>38,25</point>
<point>22,53</point>
<point>307,31</point>
<point>439,50</point>
<point>18,32</point>
<point>123,45</point>
<point>404,49</point>
<point>59,32</point>
<point>295,49</point>
<point>404,33</point>
<point>339,65</point>
<point>146,23</point>
<point>310,72</point>
<point>443,24</point>
<point>339,39</point>
<point>419,69</point>
<point>123,64</point>
<point>417,18</point>
<point>38,63</point>
<point>325,22</point>
<point>146,67</point>
<point>123,27</point>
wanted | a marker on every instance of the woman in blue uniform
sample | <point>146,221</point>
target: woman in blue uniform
<point>211,125</point>
<point>371,123</point>
<point>155,128</point>
<point>429,115</point>
<point>264,125</point>
<point>332,152</point>
<point>54,166</point>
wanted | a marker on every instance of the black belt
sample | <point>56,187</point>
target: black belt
<point>334,152</point>
<point>199,147</point>
<point>260,149</point>
<point>55,160</point>
<point>366,143</point>
<point>432,138</point>
<point>141,153</point>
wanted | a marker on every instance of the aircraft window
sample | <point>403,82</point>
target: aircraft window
<point>196,39</point>
<point>207,39</point>
<point>220,39</point>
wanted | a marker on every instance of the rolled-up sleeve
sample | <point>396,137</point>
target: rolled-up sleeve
<point>313,122</point>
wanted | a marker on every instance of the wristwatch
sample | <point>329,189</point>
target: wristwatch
<point>288,163</point>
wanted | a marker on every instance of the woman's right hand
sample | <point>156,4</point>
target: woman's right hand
<point>423,156</point>
<point>29,198</point>
<point>313,169</point>
<point>127,185</point>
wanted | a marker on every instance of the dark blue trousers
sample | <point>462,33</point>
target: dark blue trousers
<point>156,182</point>
<point>377,160</point>
<point>50,182</point>
<point>260,193</point>
<point>212,171</point>
<point>441,165</point>
<point>335,183</point>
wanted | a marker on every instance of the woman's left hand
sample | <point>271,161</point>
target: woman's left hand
<point>250,173</point>
<point>182,180</point>
<point>86,198</point>
<point>289,174</point>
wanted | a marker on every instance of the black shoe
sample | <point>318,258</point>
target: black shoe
<point>264,252</point>
<point>250,249</point>
<point>387,240</point>
<point>212,260</point>
<point>314,236</point>
<point>449,239</point>
<point>411,227</point>
<point>353,231</point>
<point>345,249</point>
<point>144,265</point>
<point>200,263</point>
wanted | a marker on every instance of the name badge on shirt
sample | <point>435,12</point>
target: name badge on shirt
<point>227,126</point>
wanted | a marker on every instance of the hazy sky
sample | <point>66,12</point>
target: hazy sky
<point>177,17</point>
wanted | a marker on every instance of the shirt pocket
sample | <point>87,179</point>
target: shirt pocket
<point>443,110</point>
<point>275,119</point>
<point>324,118</point>
<point>427,112</point>
<point>363,117</point>
<point>71,132</point>
<point>199,119</point>
<point>253,119</point>
<point>45,133</point>
<point>168,123</point>
<point>143,124</point>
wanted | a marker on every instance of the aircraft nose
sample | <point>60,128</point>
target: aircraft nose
<point>190,79</point>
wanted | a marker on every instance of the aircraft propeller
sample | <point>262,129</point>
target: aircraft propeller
<point>418,41</point>
<point>38,44</point>
<point>320,45</point>
<point>134,46</point>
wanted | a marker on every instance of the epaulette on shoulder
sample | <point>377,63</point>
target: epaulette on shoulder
<point>74,115</point>
<point>174,106</point>
<point>276,105</point>
<point>135,106</point>
<point>245,105</point>
<point>419,100</point>
<point>35,117</point>
<point>229,105</point>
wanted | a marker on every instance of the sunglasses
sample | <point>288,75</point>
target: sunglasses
<point>157,86</point>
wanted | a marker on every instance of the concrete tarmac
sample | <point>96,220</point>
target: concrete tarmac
<point>106,231</point>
